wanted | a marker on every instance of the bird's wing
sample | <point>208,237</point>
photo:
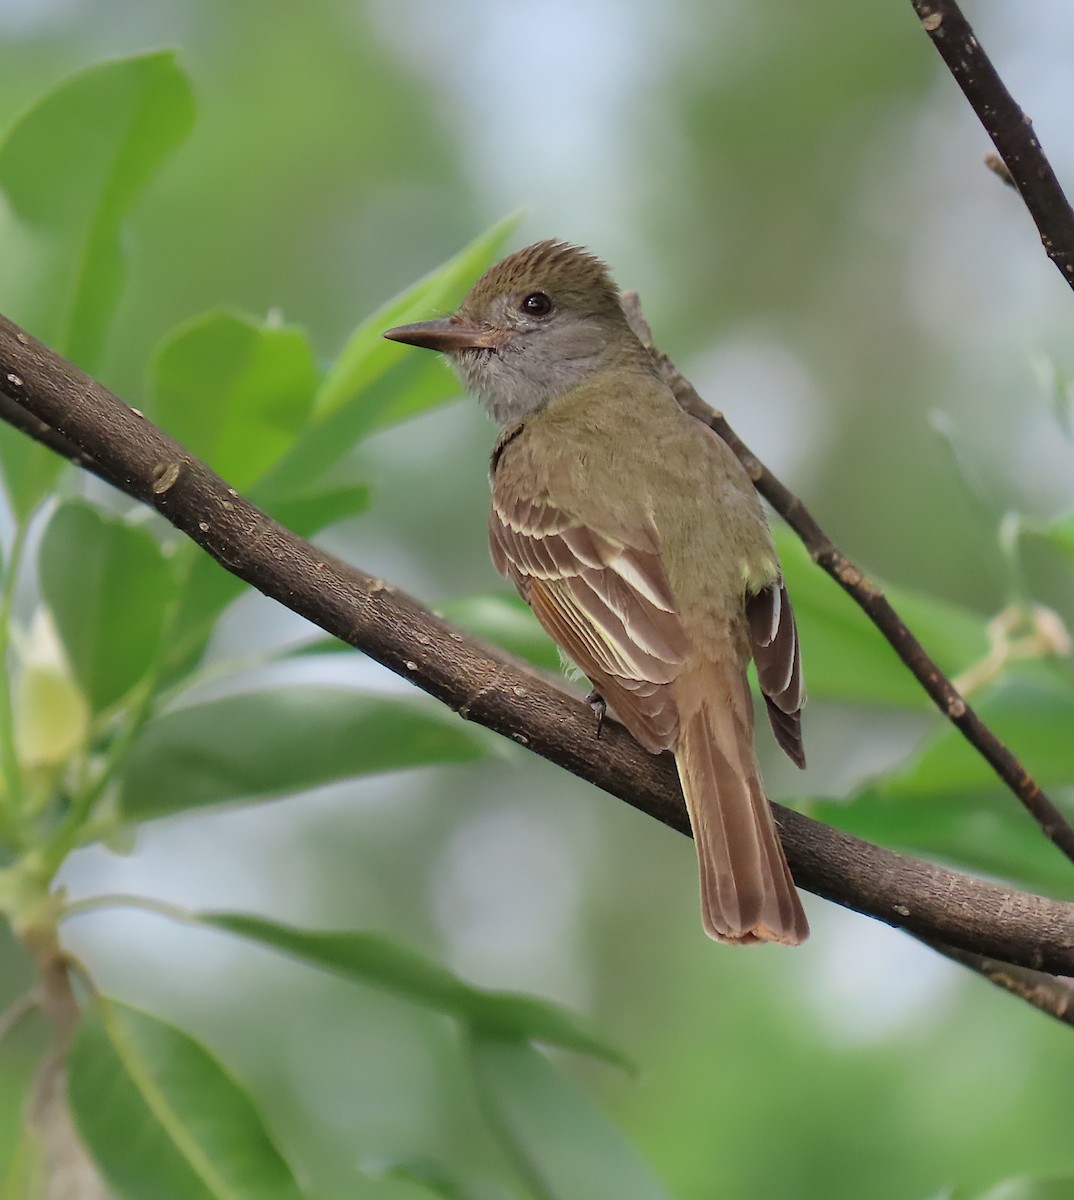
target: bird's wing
<point>774,642</point>
<point>604,598</point>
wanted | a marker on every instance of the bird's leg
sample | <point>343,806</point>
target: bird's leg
<point>599,706</point>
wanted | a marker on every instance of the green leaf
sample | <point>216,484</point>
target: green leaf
<point>1032,1189</point>
<point>164,1119</point>
<point>375,383</point>
<point>505,620</point>
<point>71,168</point>
<point>417,384</point>
<point>25,1174</point>
<point>367,356</point>
<point>844,656</point>
<point>370,958</point>
<point>261,744</point>
<point>983,833</point>
<point>1031,710</point>
<point>567,1148</point>
<point>210,588</point>
<point>28,470</point>
<point>108,585</point>
<point>423,1172</point>
<point>309,513</point>
<point>946,800</point>
<point>234,391</point>
<point>1060,533</point>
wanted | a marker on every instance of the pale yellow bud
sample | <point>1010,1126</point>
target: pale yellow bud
<point>51,714</point>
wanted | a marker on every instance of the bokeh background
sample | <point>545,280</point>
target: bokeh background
<point>797,191</point>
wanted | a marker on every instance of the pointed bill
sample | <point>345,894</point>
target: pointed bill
<point>447,334</point>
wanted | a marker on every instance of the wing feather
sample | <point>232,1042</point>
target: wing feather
<point>605,599</point>
<point>774,643</point>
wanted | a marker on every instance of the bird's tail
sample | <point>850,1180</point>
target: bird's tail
<point>747,893</point>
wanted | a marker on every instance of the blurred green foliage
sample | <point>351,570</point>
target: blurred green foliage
<point>325,173</point>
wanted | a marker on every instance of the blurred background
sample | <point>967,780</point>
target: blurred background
<point>797,191</point>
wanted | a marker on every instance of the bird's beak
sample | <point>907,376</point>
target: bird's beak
<point>448,334</point>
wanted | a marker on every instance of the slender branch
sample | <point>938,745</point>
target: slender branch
<point>869,597</point>
<point>1009,128</point>
<point>1052,996</point>
<point>1023,165</point>
<point>104,901</point>
<point>68,1169</point>
<point>487,687</point>
<point>26,422</point>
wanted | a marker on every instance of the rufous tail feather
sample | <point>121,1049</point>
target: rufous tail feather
<point>747,893</point>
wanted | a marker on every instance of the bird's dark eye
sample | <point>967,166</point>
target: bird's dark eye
<point>537,304</point>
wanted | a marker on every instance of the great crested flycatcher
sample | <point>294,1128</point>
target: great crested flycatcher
<point>636,536</point>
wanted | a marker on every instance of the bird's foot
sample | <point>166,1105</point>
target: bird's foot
<point>600,708</point>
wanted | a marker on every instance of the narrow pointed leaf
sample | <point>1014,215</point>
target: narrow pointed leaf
<point>116,124</point>
<point>422,382</point>
<point>567,1148</point>
<point>1060,533</point>
<point>1058,1188</point>
<point>373,959</point>
<point>424,1173</point>
<point>947,800</point>
<point>70,168</point>
<point>308,513</point>
<point>505,620</point>
<point>108,585</point>
<point>366,355</point>
<point>501,618</point>
<point>257,745</point>
<point>164,1119</point>
<point>375,383</point>
<point>1031,710</point>
<point>209,588</point>
<point>845,658</point>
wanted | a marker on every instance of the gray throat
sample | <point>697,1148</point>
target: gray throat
<point>533,369</point>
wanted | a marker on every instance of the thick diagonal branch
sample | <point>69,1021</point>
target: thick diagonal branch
<point>490,689</point>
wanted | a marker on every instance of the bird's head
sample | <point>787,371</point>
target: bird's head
<point>537,324</point>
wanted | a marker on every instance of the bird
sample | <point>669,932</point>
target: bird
<point>636,537</point>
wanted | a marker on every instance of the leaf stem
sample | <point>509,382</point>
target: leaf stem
<point>106,900</point>
<point>144,702</point>
<point>11,799</point>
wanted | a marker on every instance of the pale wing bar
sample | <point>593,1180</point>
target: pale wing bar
<point>774,643</point>
<point>607,601</point>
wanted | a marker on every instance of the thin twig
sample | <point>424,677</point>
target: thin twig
<point>490,688</point>
<point>1007,125</point>
<point>1023,165</point>
<point>1051,994</point>
<point>869,597</point>
<point>25,422</point>
<point>67,1167</point>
